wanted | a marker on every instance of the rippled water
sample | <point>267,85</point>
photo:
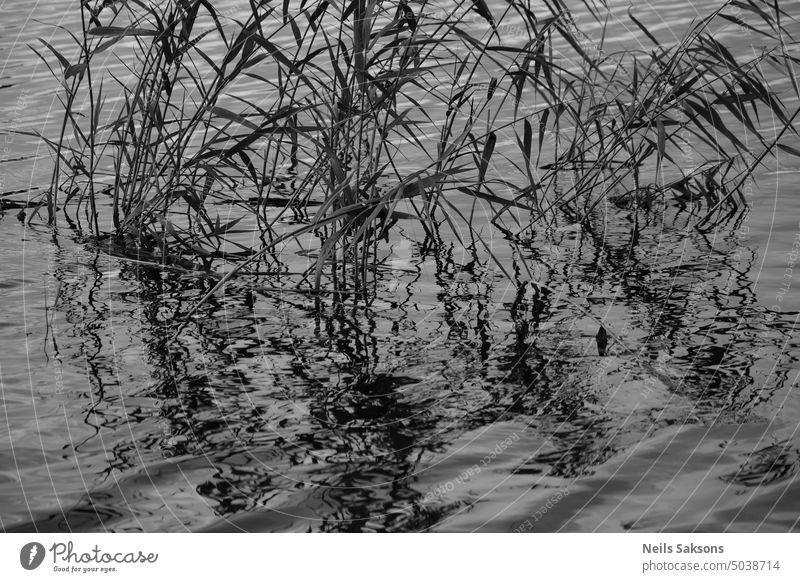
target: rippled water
<point>454,402</point>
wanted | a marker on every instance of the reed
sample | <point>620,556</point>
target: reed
<point>187,130</point>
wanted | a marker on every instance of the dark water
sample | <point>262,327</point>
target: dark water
<point>457,401</point>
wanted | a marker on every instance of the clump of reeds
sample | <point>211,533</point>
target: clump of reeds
<point>382,111</point>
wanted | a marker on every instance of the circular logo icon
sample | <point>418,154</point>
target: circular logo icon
<point>31,555</point>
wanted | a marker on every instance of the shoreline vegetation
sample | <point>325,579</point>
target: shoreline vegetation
<point>165,155</point>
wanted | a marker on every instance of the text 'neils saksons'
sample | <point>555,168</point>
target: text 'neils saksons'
<point>663,548</point>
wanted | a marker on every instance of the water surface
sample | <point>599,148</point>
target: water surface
<point>456,401</point>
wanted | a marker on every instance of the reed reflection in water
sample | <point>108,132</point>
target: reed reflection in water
<point>276,410</point>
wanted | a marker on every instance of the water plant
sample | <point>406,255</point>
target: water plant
<point>193,136</point>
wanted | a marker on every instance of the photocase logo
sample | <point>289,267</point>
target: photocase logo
<point>31,555</point>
